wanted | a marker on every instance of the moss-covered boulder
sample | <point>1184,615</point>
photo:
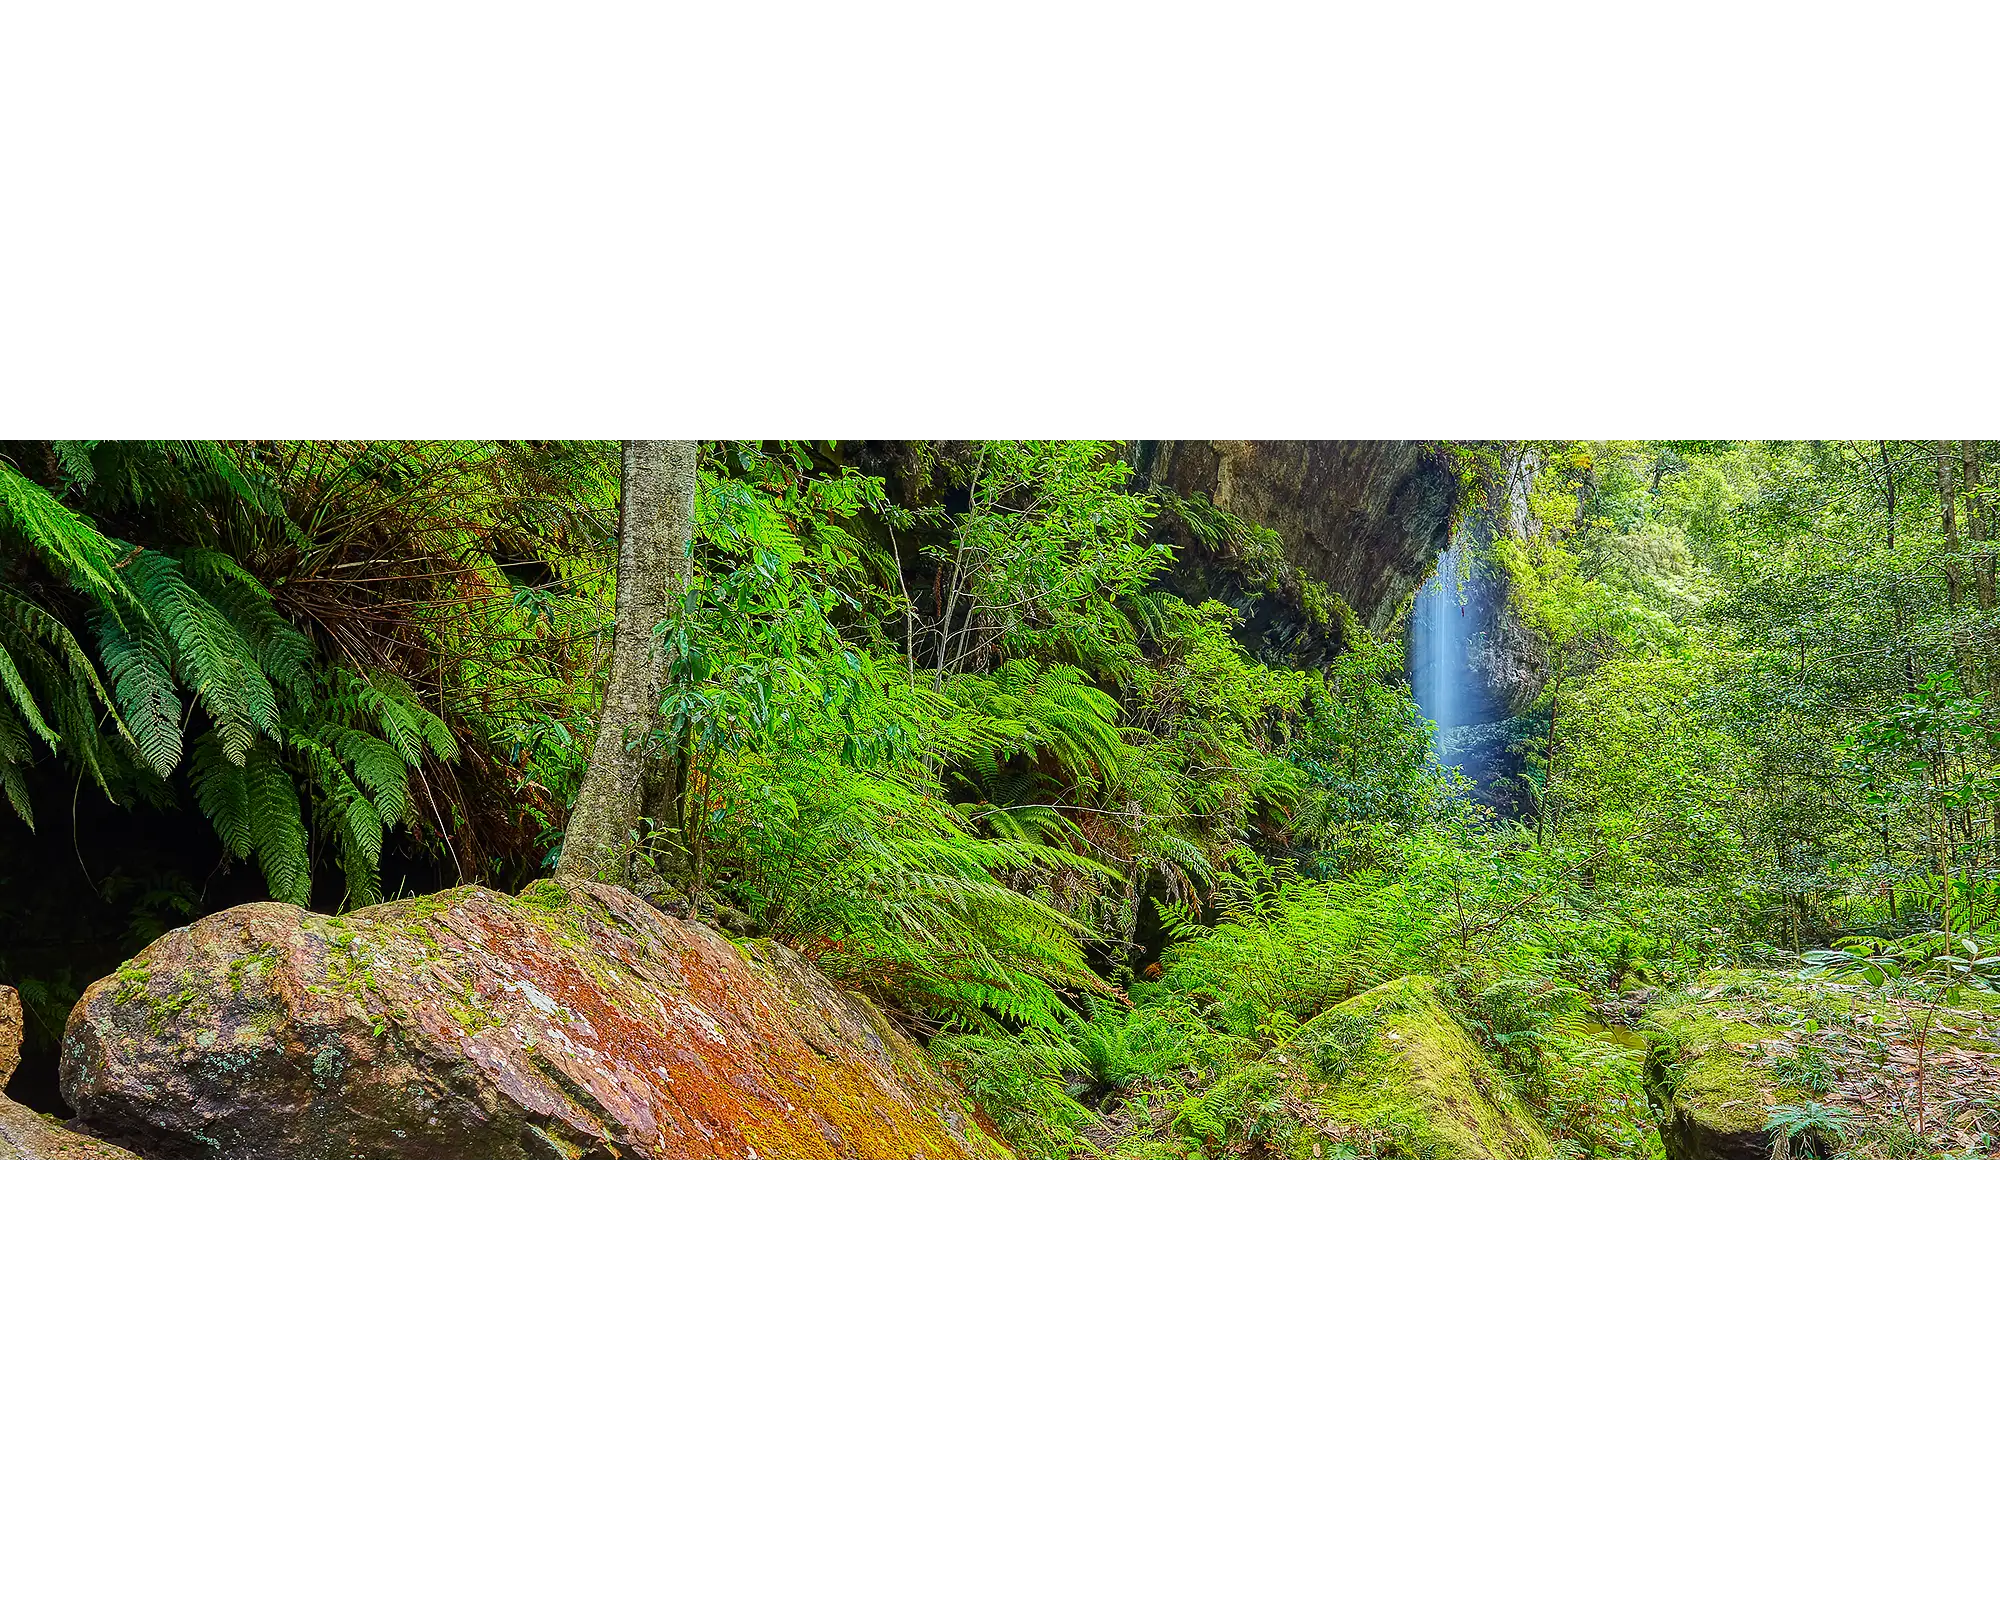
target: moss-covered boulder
<point>1404,1078</point>
<point>1388,1073</point>
<point>1714,1060</point>
<point>574,1020</point>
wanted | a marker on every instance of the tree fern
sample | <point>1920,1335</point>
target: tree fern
<point>213,585</point>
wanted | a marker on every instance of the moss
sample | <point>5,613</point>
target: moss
<point>1414,1082</point>
<point>162,1010</point>
<point>132,979</point>
<point>1390,1072</point>
<point>1710,1069</point>
<point>549,894</point>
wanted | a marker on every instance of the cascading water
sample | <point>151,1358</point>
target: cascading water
<point>1438,630</point>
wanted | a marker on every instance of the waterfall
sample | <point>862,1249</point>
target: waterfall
<point>1438,631</point>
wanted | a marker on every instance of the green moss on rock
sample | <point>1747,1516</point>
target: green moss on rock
<point>1415,1083</point>
<point>1389,1073</point>
<point>1712,1051</point>
<point>573,1020</point>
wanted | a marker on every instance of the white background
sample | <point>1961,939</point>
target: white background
<point>877,220</point>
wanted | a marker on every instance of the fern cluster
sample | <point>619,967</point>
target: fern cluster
<point>269,630</point>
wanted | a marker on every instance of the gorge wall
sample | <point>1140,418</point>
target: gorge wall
<point>1366,518</point>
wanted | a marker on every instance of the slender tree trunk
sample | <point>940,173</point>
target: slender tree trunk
<point>1948,515</point>
<point>655,530</point>
<point>1976,524</point>
<point>1549,765</point>
<point>1889,488</point>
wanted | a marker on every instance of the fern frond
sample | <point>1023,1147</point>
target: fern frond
<point>74,457</point>
<point>143,683</point>
<point>281,652</point>
<point>17,691</point>
<point>71,547</point>
<point>276,825</point>
<point>379,769</point>
<point>16,752</point>
<point>223,795</point>
<point>210,655</point>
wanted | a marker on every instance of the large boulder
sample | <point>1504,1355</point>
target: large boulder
<point>574,1020</point>
<point>1390,1073</point>
<point>1404,1078</point>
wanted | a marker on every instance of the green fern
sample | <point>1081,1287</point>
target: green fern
<point>277,828</point>
<point>74,551</point>
<point>142,681</point>
<point>223,793</point>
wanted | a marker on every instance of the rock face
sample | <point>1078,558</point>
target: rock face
<point>1506,662</point>
<point>574,1020</point>
<point>1365,517</point>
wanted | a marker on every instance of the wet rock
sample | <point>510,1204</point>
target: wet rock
<point>574,1020</point>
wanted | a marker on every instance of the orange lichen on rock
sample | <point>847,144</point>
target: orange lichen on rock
<point>574,1020</point>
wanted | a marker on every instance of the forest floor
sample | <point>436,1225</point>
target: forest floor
<point>1888,1076</point>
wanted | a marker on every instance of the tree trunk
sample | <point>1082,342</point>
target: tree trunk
<point>655,532</point>
<point>1978,524</point>
<point>1947,513</point>
<point>1889,487</point>
<point>1548,794</point>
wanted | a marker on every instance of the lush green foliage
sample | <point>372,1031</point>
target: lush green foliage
<point>932,717</point>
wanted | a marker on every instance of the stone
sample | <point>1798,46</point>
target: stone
<point>30,1136</point>
<point>1710,1065</point>
<point>1404,1078</point>
<point>574,1020</point>
<point>1390,1073</point>
<point>11,1026</point>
